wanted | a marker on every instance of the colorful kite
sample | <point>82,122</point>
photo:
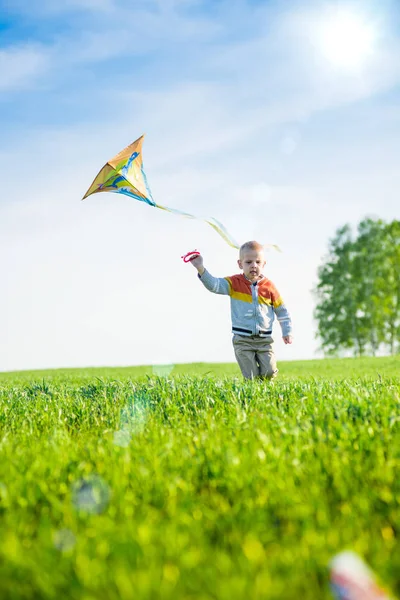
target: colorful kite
<point>124,174</point>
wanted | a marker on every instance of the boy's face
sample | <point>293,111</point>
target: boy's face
<point>252,262</point>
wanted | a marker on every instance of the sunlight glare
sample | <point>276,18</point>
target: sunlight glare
<point>347,39</point>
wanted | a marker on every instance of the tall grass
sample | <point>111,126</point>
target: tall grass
<point>197,487</point>
<point>337,369</point>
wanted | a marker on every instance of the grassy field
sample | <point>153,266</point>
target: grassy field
<point>371,368</point>
<point>190,483</point>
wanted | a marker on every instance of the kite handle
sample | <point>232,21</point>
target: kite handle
<point>190,256</point>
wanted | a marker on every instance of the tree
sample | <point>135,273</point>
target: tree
<point>390,282</point>
<point>358,292</point>
<point>335,310</point>
<point>369,257</point>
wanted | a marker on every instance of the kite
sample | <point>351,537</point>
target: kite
<point>124,174</point>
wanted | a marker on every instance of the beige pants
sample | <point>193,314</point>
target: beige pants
<point>255,356</point>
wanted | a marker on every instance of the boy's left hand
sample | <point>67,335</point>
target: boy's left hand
<point>287,339</point>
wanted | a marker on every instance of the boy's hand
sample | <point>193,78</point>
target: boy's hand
<point>197,262</point>
<point>287,339</point>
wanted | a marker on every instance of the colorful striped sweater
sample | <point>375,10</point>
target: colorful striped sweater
<point>253,305</point>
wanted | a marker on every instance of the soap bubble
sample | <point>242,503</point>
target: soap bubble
<point>133,420</point>
<point>122,438</point>
<point>288,145</point>
<point>90,494</point>
<point>261,193</point>
<point>163,370</point>
<point>64,540</point>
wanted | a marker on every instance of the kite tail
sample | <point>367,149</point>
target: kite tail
<point>219,228</point>
<point>216,225</point>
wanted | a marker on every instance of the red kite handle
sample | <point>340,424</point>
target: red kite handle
<point>190,256</point>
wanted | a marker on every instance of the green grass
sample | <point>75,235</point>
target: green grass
<point>332,369</point>
<point>119,484</point>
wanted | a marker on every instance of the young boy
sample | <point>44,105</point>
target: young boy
<point>254,303</point>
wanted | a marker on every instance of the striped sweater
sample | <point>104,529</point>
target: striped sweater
<point>253,305</point>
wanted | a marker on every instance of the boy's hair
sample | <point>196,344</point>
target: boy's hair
<point>253,245</point>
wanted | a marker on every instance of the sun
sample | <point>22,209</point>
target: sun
<point>347,39</point>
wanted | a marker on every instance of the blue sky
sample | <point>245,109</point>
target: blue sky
<point>249,117</point>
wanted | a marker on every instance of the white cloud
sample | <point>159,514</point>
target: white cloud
<point>21,66</point>
<point>51,8</point>
<point>113,31</point>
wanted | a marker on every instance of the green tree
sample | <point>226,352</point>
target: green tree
<point>369,256</point>
<point>390,283</point>
<point>358,290</point>
<point>336,301</point>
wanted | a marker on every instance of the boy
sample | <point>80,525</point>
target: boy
<point>254,303</point>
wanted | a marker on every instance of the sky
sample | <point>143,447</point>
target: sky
<point>280,119</point>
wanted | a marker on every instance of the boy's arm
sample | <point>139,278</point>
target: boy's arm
<point>217,285</point>
<point>283,316</point>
